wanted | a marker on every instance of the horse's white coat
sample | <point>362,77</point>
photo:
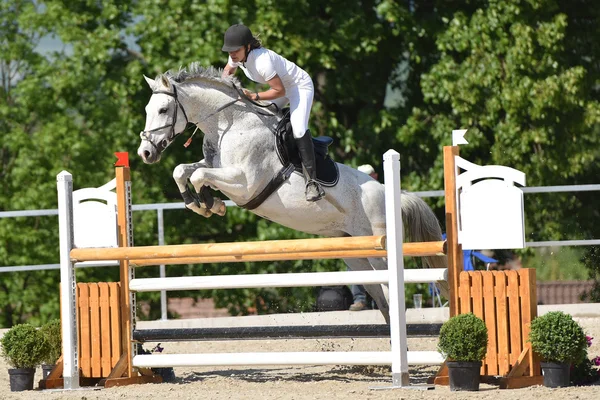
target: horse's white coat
<point>240,160</point>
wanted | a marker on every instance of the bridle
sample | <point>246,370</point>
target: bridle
<point>173,135</point>
<point>165,142</point>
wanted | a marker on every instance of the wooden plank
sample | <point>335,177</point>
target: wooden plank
<point>105,329</point>
<point>57,370</point>
<point>477,303</point>
<point>502,318</point>
<point>145,371</point>
<point>454,249</point>
<point>442,380</point>
<point>54,383</point>
<point>85,351</point>
<point>95,331</point>
<point>528,293</point>
<point>78,322</point>
<point>126,327</point>
<point>521,382</point>
<point>441,374</point>
<point>136,380</point>
<point>120,368</point>
<point>58,382</point>
<point>464,305</point>
<point>489,311</point>
<point>477,294</point>
<point>115,322</point>
<point>514,315</point>
<point>521,365</point>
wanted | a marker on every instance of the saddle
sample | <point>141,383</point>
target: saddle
<point>287,151</point>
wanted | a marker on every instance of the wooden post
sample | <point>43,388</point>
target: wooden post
<point>454,251</point>
<point>125,240</point>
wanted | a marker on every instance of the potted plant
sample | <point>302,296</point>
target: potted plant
<point>560,342</point>
<point>51,332</point>
<point>463,341</point>
<point>23,348</point>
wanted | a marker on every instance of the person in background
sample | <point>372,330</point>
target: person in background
<point>359,294</point>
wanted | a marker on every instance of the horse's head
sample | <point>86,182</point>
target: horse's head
<point>165,119</point>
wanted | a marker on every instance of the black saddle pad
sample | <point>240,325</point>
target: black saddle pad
<point>327,170</point>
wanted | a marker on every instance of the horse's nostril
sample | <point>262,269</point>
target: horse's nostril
<point>146,154</point>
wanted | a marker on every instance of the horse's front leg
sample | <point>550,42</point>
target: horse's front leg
<point>181,175</point>
<point>229,180</point>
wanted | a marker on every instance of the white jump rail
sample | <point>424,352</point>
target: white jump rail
<point>395,276</point>
<point>283,280</point>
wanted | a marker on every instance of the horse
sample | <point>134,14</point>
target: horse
<point>241,160</point>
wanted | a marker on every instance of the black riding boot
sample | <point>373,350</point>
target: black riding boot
<point>313,190</point>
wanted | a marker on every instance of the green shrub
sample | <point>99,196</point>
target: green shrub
<point>463,337</point>
<point>23,346</point>
<point>556,337</point>
<point>53,340</point>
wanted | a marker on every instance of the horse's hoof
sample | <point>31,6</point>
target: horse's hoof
<point>205,213</point>
<point>198,210</point>
<point>220,210</point>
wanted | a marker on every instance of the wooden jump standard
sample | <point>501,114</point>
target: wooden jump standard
<point>506,313</point>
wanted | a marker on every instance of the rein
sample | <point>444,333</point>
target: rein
<point>165,142</point>
<point>173,135</point>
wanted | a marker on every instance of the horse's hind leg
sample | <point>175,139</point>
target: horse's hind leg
<point>377,292</point>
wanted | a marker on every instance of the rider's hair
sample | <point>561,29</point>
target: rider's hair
<point>255,43</point>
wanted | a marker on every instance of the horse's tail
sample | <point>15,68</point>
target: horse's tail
<point>422,225</point>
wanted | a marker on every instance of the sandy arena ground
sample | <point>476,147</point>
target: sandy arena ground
<point>293,383</point>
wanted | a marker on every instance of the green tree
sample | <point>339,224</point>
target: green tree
<point>59,111</point>
<point>520,76</point>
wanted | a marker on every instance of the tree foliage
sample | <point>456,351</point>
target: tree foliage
<point>520,75</point>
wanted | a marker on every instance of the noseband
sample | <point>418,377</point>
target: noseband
<point>172,135</point>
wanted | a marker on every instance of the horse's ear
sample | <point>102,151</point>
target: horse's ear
<point>151,82</point>
<point>165,81</point>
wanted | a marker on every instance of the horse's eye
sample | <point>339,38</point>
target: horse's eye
<point>162,111</point>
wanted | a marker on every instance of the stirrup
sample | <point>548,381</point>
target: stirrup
<point>314,197</point>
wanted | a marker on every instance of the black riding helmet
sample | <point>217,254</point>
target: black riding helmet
<point>236,36</point>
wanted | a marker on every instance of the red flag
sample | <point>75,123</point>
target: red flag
<point>122,159</point>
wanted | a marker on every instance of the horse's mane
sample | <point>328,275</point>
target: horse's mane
<point>195,71</point>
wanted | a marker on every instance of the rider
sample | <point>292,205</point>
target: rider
<point>287,83</point>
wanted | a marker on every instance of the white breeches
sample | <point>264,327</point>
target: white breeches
<point>300,100</point>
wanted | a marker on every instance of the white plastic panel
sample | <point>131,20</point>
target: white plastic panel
<point>491,216</point>
<point>95,217</point>
<point>491,213</point>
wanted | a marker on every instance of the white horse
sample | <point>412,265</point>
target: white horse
<point>240,160</point>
